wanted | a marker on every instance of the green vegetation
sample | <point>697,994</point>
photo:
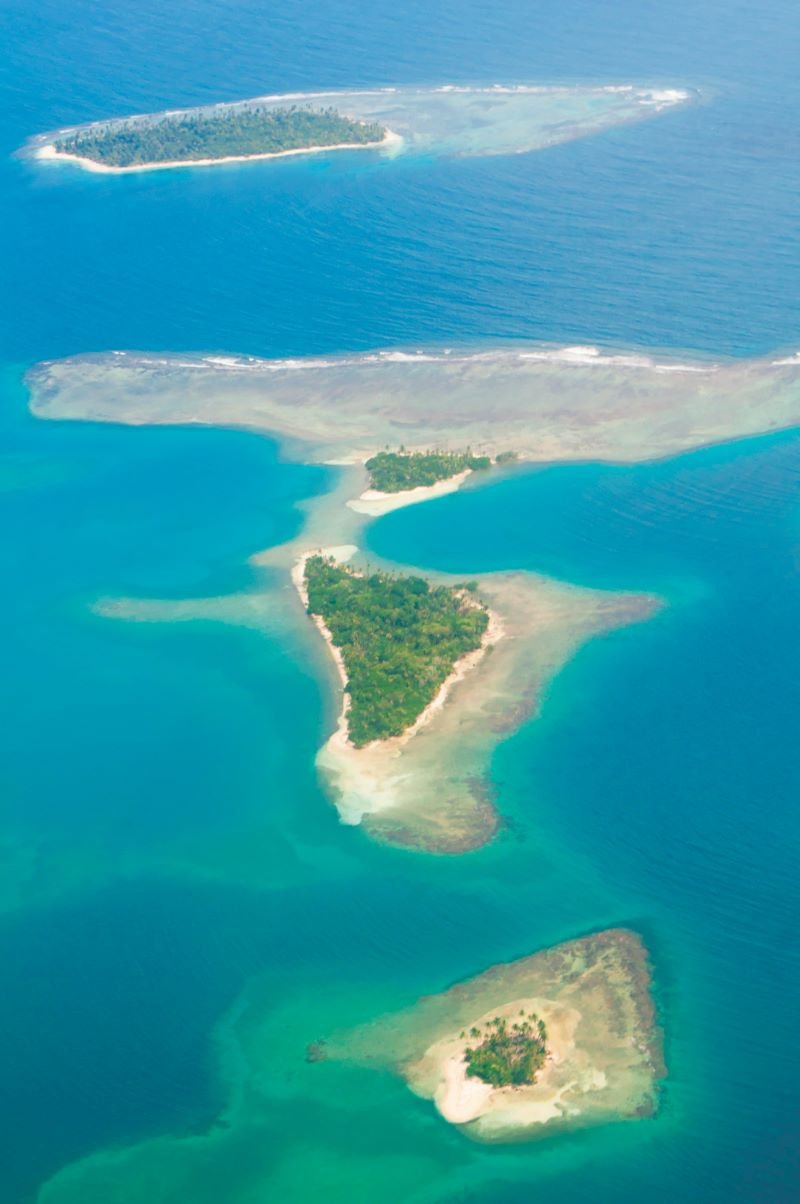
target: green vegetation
<point>189,136</point>
<point>399,638</point>
<point>392,471</point>
<point>508,1055</point>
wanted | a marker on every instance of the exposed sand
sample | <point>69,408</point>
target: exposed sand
<point>342,553</point>
<point>48,152</point>
<point>374,502</point>
<point>604,1048</point>
<point>461,1098</point>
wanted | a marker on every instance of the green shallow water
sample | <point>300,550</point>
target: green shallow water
<point>639,797</point>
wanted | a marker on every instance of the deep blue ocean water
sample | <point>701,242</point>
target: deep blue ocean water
<point>162,836</point>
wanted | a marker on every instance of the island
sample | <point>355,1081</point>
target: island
<point>441,120</point>
<point>393,472</point>
<point>201,137</point>
<point>399,639</point>
<point>565,1038</point>
<point>508,1053</point>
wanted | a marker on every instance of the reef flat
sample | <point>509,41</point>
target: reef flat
<point>603,1060</point>
<point>548,404</point>
<point>449,120</point>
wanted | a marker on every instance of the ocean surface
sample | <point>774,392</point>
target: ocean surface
<point>163,840</point>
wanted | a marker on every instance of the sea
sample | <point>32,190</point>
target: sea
<point>177,897</point>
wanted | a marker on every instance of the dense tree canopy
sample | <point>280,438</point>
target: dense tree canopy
<point>509,1055</point>
<point>392,471</point>
<point>399,638</point>
<point>206,135</point>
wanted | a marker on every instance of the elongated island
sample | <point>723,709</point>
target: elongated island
<point>443,121</point>
<point>565,1038</point>
<point>201,137</point>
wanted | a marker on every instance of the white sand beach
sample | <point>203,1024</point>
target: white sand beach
<point>49,153</point>
<point>374,503</point>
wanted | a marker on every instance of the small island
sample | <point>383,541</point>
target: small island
<point>208,136</point>
<point>562,1039</point>
<point>394,472</point>
<point>399,639</point>
<point>510,1053</point>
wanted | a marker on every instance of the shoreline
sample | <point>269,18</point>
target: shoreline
<point>461,1098</point>
<point>429,789</point>
<point>375,502</point>
<point>49,154</point>
<point>604,1046</point>
<point>461,668</point>
<point>448,119</point>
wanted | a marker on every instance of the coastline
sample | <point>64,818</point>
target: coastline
<point>374,502</point>
<point>451,119</point>
<point>429,789</point>
<point>341,553</point>
<point>462,667</point>
<point>604,1045</point>
<point>48,153</point>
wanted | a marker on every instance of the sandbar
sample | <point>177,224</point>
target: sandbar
<point>374,502</point>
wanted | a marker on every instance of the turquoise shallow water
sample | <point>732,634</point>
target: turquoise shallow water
<point>162,835</point>
<point>665,753</point>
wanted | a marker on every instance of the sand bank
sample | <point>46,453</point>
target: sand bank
<point>390,142</point>
<point>604,1058</point>
<point>374,503</point>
